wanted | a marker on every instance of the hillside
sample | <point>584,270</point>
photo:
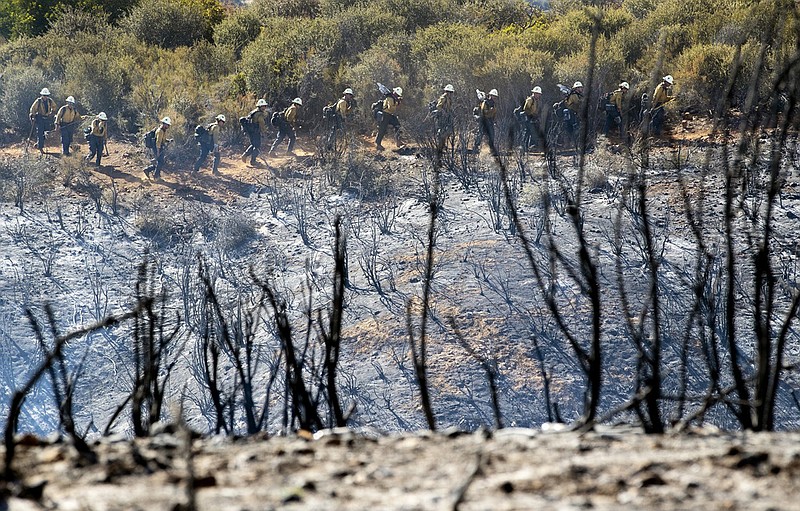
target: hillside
<point>83,231</point>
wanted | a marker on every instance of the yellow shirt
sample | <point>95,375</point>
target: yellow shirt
<point>661,95</point>
<point>390,105</point>
<point>67,114</point>
<point>445,103</point>
<point>213,131</point>
<point>161,138</point>
<point>43,106</point>
<point>573,101</point>
<point>488,110</point>
<point>532,106</point>
<point>617,98</point>
<point>343,108</point>
<point>99,128</point>
<point>259,117</point>
<point>290,114</point>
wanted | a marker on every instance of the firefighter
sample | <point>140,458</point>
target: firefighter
<point>661,97</point>
<point>286,127</point>
<point>533,111</point>
<point>211,143</point>
<point>344,107</point>
<point>41,112</point>
<point>614,108</point>
<point>97,138</point>
<point>389,117</point>
<point>573,105</point>
<point>159,152</point>
<point>444,115</point>
<point>486,122</point>
<point>67,118</point>
<point>256,126</point>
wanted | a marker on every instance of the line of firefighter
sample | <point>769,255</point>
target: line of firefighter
<point>67,118</point>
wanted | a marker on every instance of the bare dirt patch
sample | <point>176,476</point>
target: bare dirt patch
<point>514,469</point>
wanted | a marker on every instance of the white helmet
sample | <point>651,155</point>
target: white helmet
<point>537,90</point>
<point>45,92</point>
<point>348,91</point>
<point>398,91</point>
<point>220,117</point>
<point>167,121</point>
<point>493,92</point>
<point>102,116</point>
<point>261,102</point>
<point>297,101</point>
<point>70,99</point>
<point>669,79</point>
<point>449,88</point>
<point>576,85</point>
<point>624,85</point>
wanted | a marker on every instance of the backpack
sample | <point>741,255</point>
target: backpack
<point>377,109</point>
<point>87,132</point>
<point>605,102</point>
<point>150,139</point>
<point>201,135</point>
<point>277,118</point>
<point>519,115</point>
<point>247,123</point>
<point>329,111</point>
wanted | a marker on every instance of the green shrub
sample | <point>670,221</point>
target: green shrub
<point>238,30</point>
<point>634,42</point>
<point>418,14</point>
<point>19,88</point>
<point>276,62</point>
<point>377,64</point>
<point>70,21</point>
<point>34,17</point>
<point>101,81</point>
<point>360,27</point>
<point>639,9</point>
<point>447,51</point>
<point>514,70</point>
<point>610,66</point>
<point>497,14</point>
<point>334,7</point>
<point>559,35</point>
<point>210,62</point>
<point>21,51</point>
<point>167,23</point>
<point>75,32</point>
<point>702,73</point>
<point>213,12</point>
<point>694,21</point>
<point>287,8</point>
<point>613,20</point>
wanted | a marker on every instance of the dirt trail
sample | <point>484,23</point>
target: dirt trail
<point>124,165</point>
